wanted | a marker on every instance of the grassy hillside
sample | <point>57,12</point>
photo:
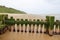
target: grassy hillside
<point>4,9</point>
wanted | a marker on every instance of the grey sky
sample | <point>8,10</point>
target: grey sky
<point>34,6</point>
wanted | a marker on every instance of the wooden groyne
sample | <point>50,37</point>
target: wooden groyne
<point>47,26</point>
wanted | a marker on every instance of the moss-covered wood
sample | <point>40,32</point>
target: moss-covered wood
<point>30,23</point>
<point>22,23</point>
<point>26,23</point>
<point>17,22</point>
<point>41,23</point>
<point>3,26</point>
<point>37,23</point>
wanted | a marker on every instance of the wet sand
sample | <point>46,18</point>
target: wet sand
<point>27,36</point>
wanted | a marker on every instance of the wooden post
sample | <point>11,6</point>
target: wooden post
<point>41,26</point>
<point>59,27</point>
<point>30,22</point>
<point>22,22</point>
<point>17,22</point>
<point>51,25</point>
<point>33,25</point>
<point>26,23</point>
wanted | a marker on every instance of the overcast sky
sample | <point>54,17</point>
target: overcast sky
<point>34,6</point>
